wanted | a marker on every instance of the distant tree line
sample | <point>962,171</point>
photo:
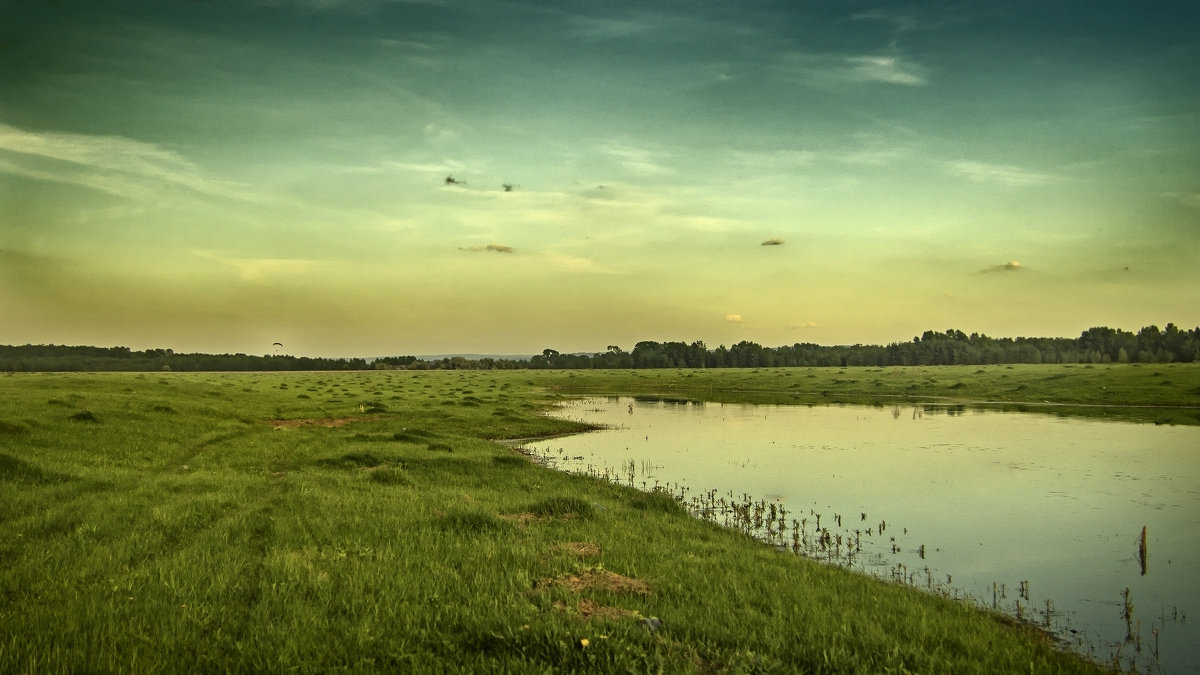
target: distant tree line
<point>65,358</point>
<point>953,347</point>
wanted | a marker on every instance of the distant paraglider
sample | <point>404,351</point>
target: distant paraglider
<point>278,346</point>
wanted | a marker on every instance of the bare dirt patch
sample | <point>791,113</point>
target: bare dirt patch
<point>328,422</point>
<point>523,518</point>
<point>588,610</point>
<point>582,549</point>
<point>598,579</point>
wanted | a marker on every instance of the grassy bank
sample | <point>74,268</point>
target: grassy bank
<point>1158,393</point>
<point>367,521</point>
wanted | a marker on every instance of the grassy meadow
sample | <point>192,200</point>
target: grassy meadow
<point>368,521</point>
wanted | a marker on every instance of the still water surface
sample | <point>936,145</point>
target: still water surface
<point>1006,508</point>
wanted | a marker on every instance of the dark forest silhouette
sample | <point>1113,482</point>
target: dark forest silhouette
<point>953,347</point>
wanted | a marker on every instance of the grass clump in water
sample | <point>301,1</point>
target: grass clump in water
<point>659,501</point>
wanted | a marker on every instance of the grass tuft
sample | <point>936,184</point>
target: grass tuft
<point>411,436</point>
<point>12,428</point>
<point>659,501</point>
<point>19,471</point>
<point>389,476</point>
<point>472,522</point>
<point>352,460</point>
<point>513,461</point>
<point>565,506</point>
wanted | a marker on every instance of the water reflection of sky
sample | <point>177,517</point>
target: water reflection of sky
<point>994,497</point>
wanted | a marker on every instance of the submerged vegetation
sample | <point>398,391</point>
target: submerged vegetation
<point>370,521</point>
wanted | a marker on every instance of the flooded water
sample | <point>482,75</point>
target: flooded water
<point>1033,514</point>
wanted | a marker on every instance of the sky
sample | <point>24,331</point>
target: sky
<point>387,177</point>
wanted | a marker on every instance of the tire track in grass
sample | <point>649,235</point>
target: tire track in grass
<point>256,540</point>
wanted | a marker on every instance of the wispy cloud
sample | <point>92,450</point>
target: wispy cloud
<point>262,269</point>
<point>734,318</point>
<point>886,69</point>
<point>900,22</point>
<point>1003,174</point>
<point>573,263</point>
<point>1010,266</point>
<point>638,160</point>
<point>839,69</point>
<point>773,241</point>
<point>1191,199</point>
<point>795,325</point>
<point>875,156</point>
<point>593,28</point>
<point>440,167</point>
<point>439,133</point>
<point>114,164</point>
<point>773,160</point>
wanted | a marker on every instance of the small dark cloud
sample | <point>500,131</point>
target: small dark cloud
<point>493,248</point>
<point>773,241</point>
<point>1010,266</point>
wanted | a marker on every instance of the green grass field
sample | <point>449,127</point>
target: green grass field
<point>322,522</point>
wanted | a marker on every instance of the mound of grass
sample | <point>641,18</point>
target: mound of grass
<point>659,501</point>
<point>472,522</point>
<point>411,436</point>
<point>565,506</point>
<point>363,460</point>
<point>19,471</point>
<point>512,460</point>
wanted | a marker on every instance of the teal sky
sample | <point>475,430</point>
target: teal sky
<point>219,175</point>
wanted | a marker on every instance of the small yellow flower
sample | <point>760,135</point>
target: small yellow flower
<point>584,642</point>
